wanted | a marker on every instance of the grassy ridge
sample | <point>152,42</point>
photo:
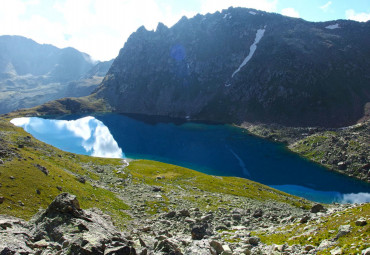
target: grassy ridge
<point>21,178</point>
<point>168,176</point>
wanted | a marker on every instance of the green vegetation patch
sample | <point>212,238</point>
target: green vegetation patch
<point>175,177</point>
<point>326,228</point>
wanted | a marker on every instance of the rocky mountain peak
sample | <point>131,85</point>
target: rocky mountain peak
<point>243,65</point>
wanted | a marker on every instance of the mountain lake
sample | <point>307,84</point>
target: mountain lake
<point>213,149</point>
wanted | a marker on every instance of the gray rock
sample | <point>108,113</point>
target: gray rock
<point>227,250</point>
<point>237,217</point>
<point>168,246</point>
<point>366,251</point>
<point>190,220</point>
<point>42,169</point>
<point>336,251</point>
<point>309,247</point>
<point>361,222</point>
<point>142,243</point>
<point>184,213</point>
<point>199,231</point>
<point>65,203</point>
<point>317,208</point>
<point>81,179</point>
<point>258,213</point>
<point>14,236</point>
<point>304,219</point>
<point>254,240</point>
<point>170,214</point>
<point>326,244</point>
<point>343,230</point>
<point>201,247</point>
<point>156,189</point>
<point>217,246</point>
<point>123,250</point>
<point>206,217</point>
<point>78,231</point>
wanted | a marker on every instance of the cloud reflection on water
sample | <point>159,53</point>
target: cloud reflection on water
<point>89,133</point>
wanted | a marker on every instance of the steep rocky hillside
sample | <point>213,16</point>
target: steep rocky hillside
<point>245,65</point>
<point>32,74</point>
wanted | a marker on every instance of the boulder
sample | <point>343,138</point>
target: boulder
<point>200,247</point>
<point>199,231</point>
<point>237,217</point>
<point>304,219</point>
<point>156,189</point>
<point>123,250</point>
<point>168,246</point>
<point>78,231</point>
<point>361,222</point>
<point>170,214</point>
<point>343,230</point>
<point>42,169</point>
<point>217,246</point>
<point>227,250</point>
<point>184,213</point>
<point>254,240</point>
<point>336,251</point>
<point>317,208</point>
<point>366,251</point>
<point>65,203</point>
<point>258,213</point>
<point>81,179</point>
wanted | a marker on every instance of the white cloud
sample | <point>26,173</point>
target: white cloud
<point>24,121</point>
<point>361,16</point>
<point>356,198</point>
<point>97,27</point>
<point>326,6</point>
<point>85,134</point>
<point>290,12</point>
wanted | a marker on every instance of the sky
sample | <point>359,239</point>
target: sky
<point>101,27</point>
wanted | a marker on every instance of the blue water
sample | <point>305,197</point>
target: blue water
<point>212,149</point>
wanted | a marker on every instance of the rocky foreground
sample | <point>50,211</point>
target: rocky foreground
<point>64,228</point>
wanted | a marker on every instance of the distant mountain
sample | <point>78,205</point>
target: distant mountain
<point>32,73</point>
<point>244,65</point>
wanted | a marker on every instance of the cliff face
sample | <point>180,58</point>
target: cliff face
<point>245,65</point>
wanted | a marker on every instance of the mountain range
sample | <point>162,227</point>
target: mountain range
<point>242,65</point>
<point>32,73</point>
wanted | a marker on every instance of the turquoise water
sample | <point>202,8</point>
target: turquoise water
<point>212,149</point>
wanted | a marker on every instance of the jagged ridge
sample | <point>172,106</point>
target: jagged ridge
<point>299,73</point>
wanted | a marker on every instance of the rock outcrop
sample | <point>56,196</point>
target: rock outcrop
<point>63,228</point>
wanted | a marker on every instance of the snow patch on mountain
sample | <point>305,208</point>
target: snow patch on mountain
<point>252,49</point>
<point>335,26</point>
